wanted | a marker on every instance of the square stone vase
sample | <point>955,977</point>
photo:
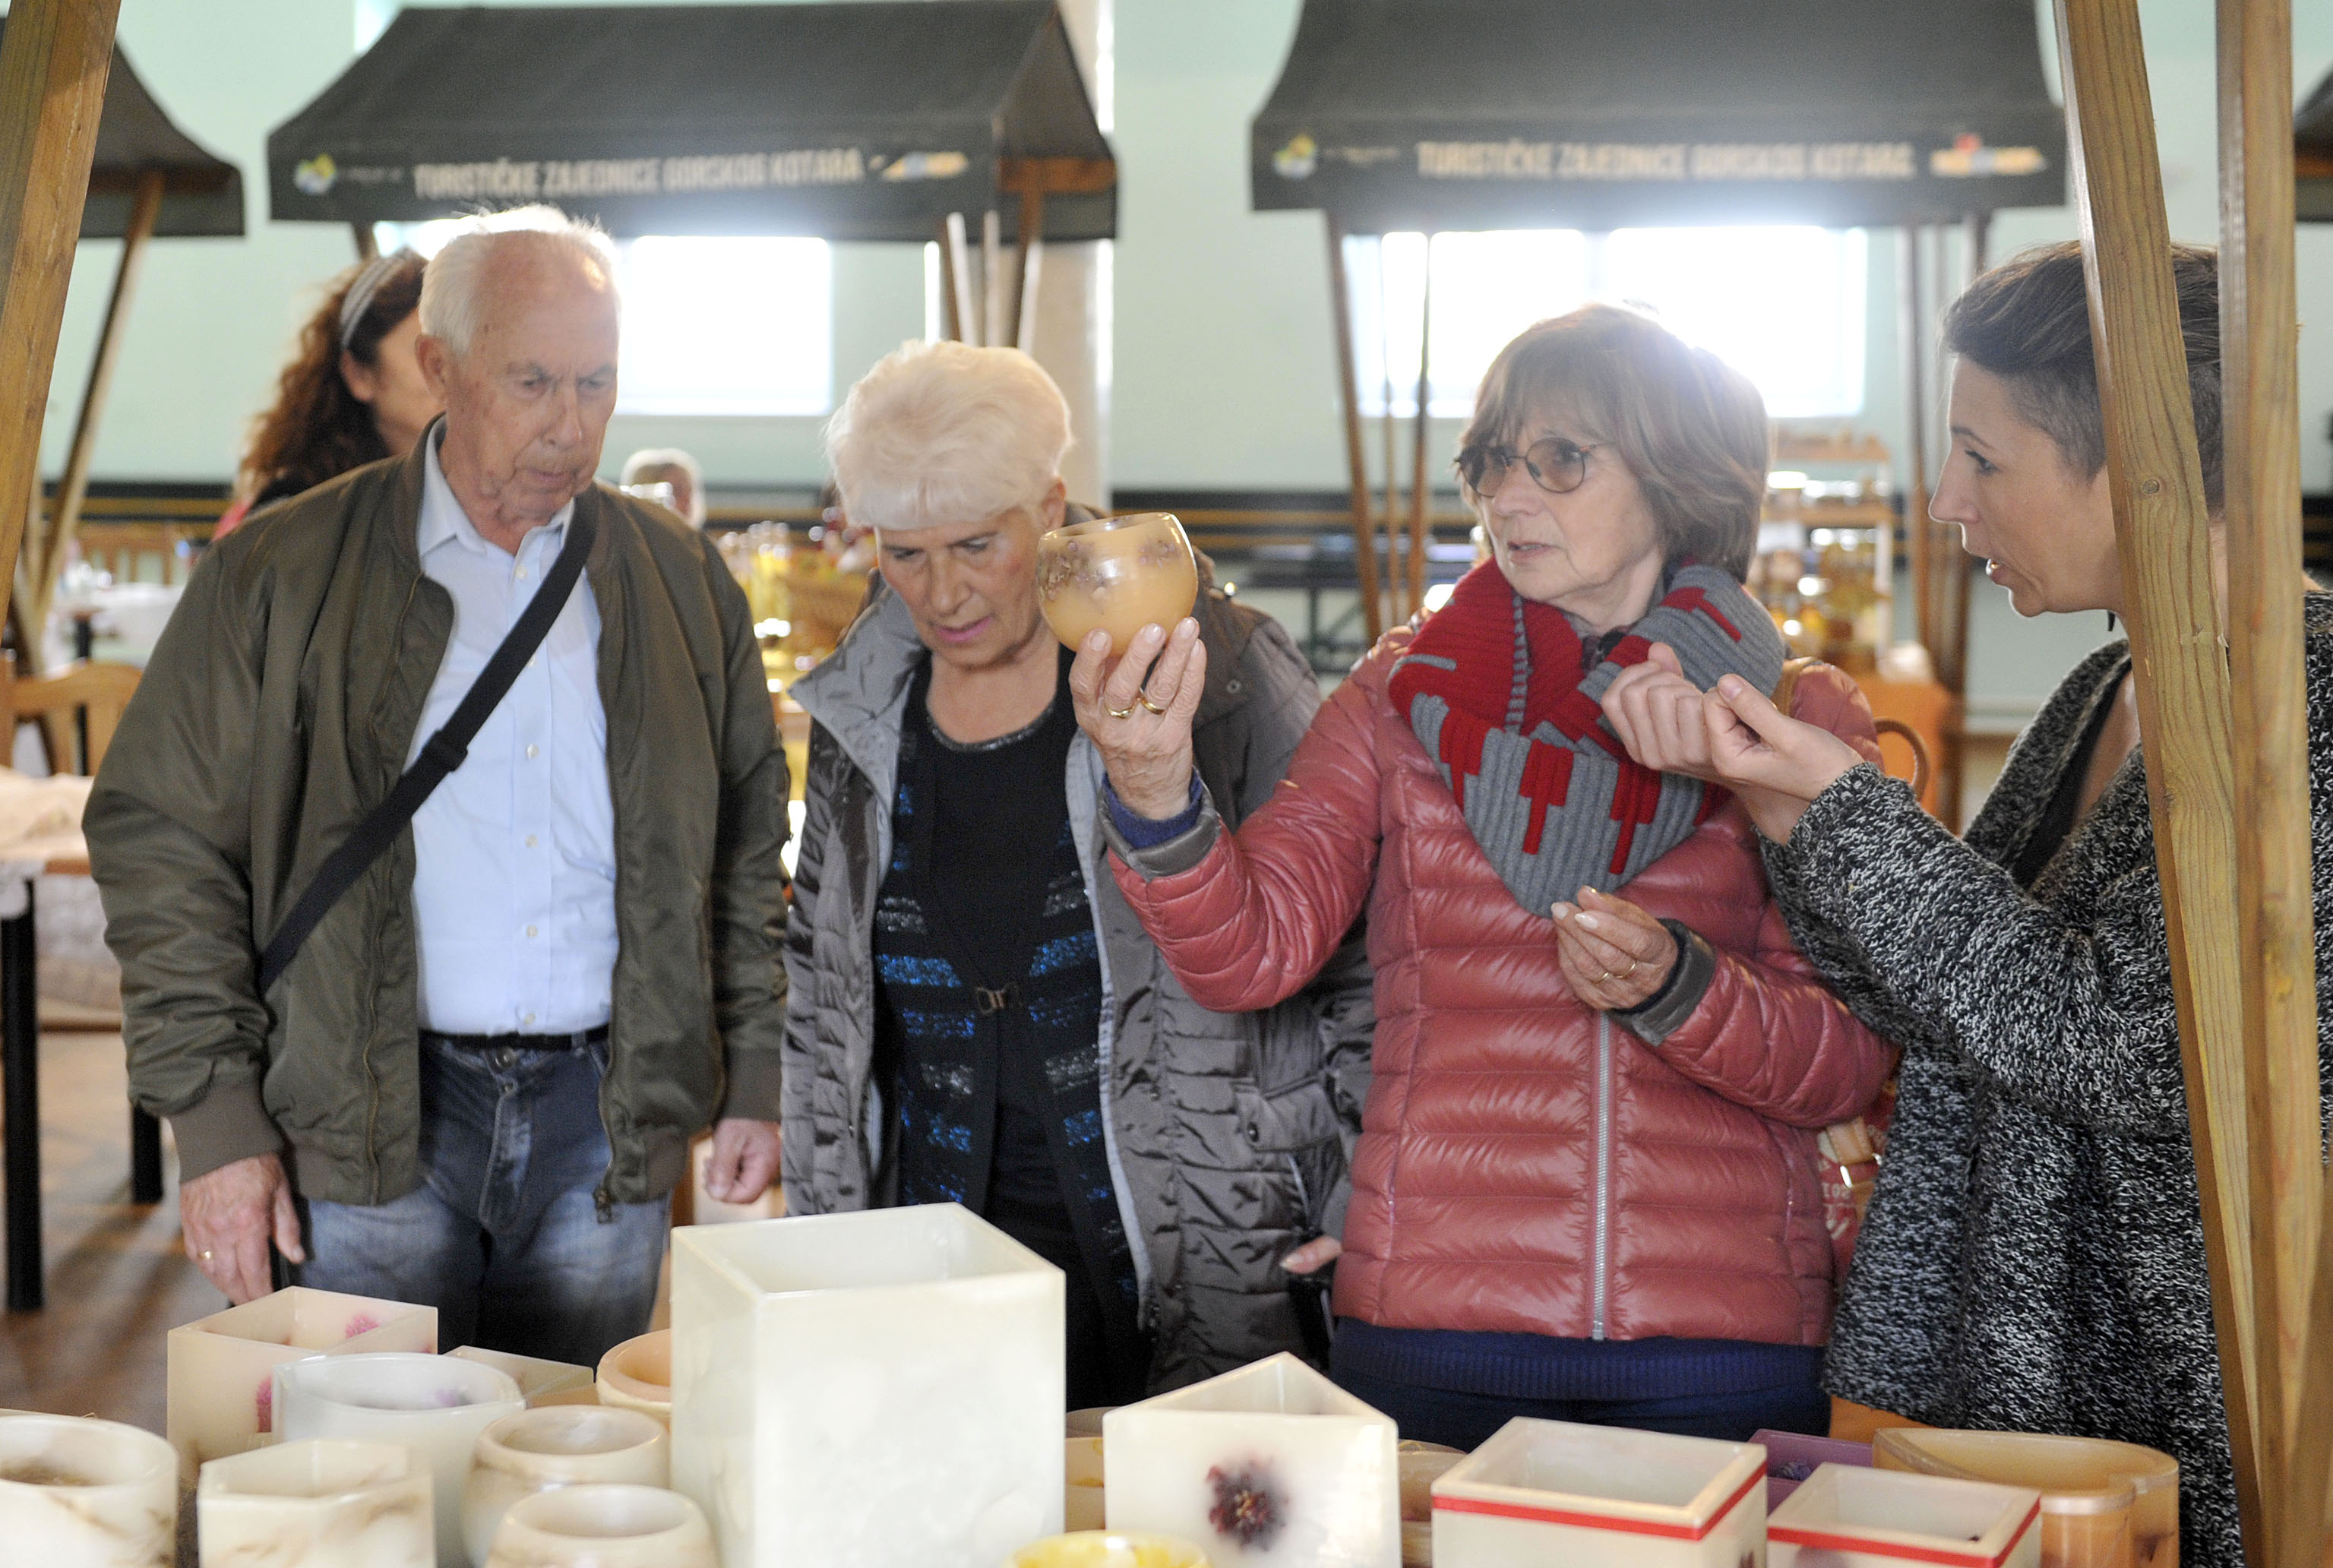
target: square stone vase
<point>1271,1464</point>
<point>221,1387</point>
<point>539,1382</point>
<point>1849,1517</point>
<point>1585,1497</point>
<point>866,1390</point>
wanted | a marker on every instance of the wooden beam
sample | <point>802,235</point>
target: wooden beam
<point>993,290</point>
<point>2164,542</point>
<point>1056,176</point>
<point>964,322</point>
<point>2260,419</point>
<point>1031,242</point>
<point>46,555</point>
<point>1394,579</point>
<point>1357,470</point>
<point>368,245</point>
<point>53,70</point>
<point>1421,483</point>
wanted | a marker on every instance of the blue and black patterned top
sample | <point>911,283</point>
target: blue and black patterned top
<point>989,1021</point>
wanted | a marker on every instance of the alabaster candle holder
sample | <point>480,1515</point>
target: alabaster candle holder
<point>1084,1479</point>
<point>601,1525</point>
<point>1854,1516</point>
<point>221,1378</point>
<point>76,1492</point>
<point>881,1386</point>
<point>2102,1502</point>
<point>1267,1465</point>
<point>1108,1549</point>
<point>436,1404</point>
<point>637,1375</point>
<point>1600,1497</point>
<point>1116,573</point>
<point>539,1382</point>
<point>558,1445</point>
<point>318,1503</point>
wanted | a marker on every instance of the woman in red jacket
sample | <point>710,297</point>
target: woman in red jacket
<point>1586,1187</point>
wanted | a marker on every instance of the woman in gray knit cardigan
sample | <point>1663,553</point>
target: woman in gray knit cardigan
<point>2034,1258</point>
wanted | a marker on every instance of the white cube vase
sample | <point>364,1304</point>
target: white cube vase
<point>221,1368</point>
<point>1601,1497</point>
<point>318,1503</point>
<point>1271,1464</point>
<point>539,1382</point>
<point>1847,1517</point>
<point>866,1390</point>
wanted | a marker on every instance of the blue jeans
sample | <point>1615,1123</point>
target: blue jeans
<point>503,1237</point>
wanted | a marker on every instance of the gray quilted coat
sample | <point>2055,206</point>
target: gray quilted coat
<point>1229,1133</point>
<point>2033,1260</point>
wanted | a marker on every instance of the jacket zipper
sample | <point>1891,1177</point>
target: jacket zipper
<point>1600,1283</point>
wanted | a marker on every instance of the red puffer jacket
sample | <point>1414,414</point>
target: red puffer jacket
<point>1527,1163</point>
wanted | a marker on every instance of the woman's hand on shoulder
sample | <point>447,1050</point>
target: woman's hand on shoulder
<point>1138,711</point>
<point>1656,713</point>
<point>1775,764</point>
<point>1615,955</point>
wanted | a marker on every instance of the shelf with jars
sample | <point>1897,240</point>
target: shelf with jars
<point>1825,564</point>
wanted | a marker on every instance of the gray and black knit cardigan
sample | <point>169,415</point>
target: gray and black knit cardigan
<point>2033,1260</point>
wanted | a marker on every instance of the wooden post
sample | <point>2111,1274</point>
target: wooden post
<point>44,556</point>
<point>2156,484</point>
<point>2260,418</point>
<point>964,320</point>
<point>951,324</point>
<point>368,247</point>
<point>1031,239</point>
<point>993,286</point>
<point>1365,549</point>
<point>1421,483</point>
<point>1393,578</point>
<point>53,70</point>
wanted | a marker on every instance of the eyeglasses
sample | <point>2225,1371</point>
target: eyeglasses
<point>1556,466</point>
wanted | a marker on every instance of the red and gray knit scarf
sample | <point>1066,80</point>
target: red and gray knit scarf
<point>1504,695</point>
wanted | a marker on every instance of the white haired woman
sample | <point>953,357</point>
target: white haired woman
<point>974,1015</point>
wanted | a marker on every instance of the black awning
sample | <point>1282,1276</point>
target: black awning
<point>1467,114</point>
<point>2312,150</point>
<point>855,121</point>
<point>202,195</point>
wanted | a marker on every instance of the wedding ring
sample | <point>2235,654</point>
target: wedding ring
<point>1606,976</point>
<point>1630,969</point>
<point>1142,697</point>
<point>1126,712</point>
<point>207,1255</point>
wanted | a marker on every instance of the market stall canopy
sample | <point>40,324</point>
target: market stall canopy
<point>2312,155</point>
<point>853,121</point>
<point>202,196</point>
<point>1467,114</point>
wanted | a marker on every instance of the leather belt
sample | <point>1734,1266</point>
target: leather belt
<point>576,1041</point>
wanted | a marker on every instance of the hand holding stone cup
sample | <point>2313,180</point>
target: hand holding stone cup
<point>1143,730</point>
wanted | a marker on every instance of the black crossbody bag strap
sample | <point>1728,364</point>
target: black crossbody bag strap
<point>441,754</point>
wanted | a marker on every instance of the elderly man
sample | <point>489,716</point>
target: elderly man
<point>487,1062</point>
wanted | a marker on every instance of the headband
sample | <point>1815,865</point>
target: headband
<point>359,299</point>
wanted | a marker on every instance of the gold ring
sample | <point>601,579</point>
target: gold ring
<point>1630,969</point>
<point>1605,976</point>
<point>1142,697</point>
<point>1126,712</point>
<point>207,1255</point>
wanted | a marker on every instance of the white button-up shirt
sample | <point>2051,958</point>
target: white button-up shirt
<point>515,874</point>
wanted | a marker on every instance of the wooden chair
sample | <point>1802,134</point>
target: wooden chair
<point>78,708</point>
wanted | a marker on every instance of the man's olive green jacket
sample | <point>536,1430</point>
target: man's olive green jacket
<point>280,707</point>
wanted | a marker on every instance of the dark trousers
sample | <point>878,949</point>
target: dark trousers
<point>1464,1420</point>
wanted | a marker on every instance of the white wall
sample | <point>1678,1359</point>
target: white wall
<point>1224,364</point>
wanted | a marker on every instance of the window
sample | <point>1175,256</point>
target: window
<point>711,325</point>
<point>1784,306</point>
